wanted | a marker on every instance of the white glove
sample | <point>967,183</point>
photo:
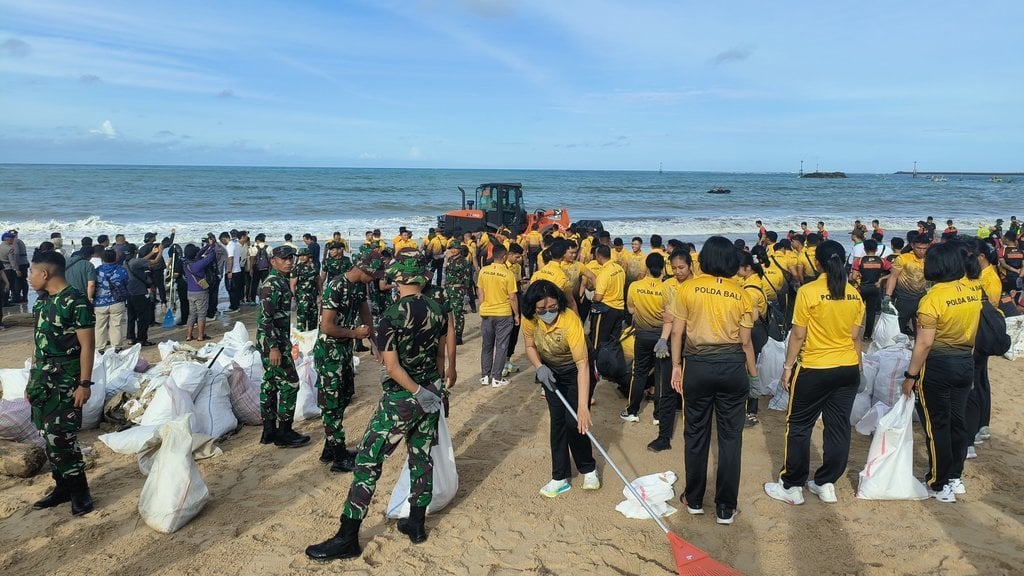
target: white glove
<point>429,401</point>
<point>661,348</point>
<point>546,377</point>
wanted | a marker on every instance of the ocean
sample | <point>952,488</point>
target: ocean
<point>83,200</point>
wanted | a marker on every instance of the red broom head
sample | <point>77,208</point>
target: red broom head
<point>692,561</point>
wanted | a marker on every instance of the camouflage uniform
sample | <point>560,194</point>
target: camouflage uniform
<point>55,375</point>
<point>280,383</point>
<point>334,267</point>
<point>307,313</point>
<point>333,357</point>
<point>458,276</point>
<point>413,327</point>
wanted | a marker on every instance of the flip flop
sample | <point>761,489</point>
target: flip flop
<point>189,339</point>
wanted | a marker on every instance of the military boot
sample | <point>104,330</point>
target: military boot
<point>81,500</point>
<point>60,494</point>
<point>344,544</point>
<point>327,454</point>
<point>413,525</point>
<point>344,461</point>
<point>269,431</point>
<point>288,438</point>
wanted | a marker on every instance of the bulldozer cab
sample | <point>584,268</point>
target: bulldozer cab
<point>502,205</point>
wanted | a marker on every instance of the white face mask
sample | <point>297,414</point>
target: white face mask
<point>549,317</point>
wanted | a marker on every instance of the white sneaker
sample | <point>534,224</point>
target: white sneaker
<point>945,495</point>
<point>485,381</point>
<point>554,488</point>
<point>825,492</point>
<point>776,490</point>
<point>629,417</point>
<point>499,383</point>
<point>971,453</point>
<point>591,481</point>
<point>957,485</point>
<point>978,440</point>
<point>984,433</point>
<point>657,422</point>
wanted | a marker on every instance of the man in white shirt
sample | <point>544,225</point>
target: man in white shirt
<point>233,272</point>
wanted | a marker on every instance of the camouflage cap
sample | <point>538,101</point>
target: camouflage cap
<point>284,252</point>
<point>303,252</point>
<point>453,243</point>
<point>409,268</point>
<point>372,263</point>
<point>332,244</point>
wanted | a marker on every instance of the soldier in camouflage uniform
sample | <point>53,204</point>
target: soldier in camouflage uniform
<point>346,318</point>
<point>458,276</point>
<point>410,338</point>
<point>336,263</point>
<point>280,385</point>
<point>305,286</point>
<point>59,384</point>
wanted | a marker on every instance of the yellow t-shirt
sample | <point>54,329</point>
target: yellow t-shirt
<point>633,264</point>
<point>714,309</point>
<point>405,245</point>
<point>695,267</point>
<point>585,247</point>
<point>829,324</point>
<point>808,262</point>
<point>611,283</point>
<point>435,246</point>
<point>771,283</point>
<point>516,270</point>
<point>594,268</point>
<point>991,285</point>
<point>558,344</point>
<point>668,290</point>
<point>647,298</point>
<point>952,309</point>
<point>572,272</point>
<point>534,239</point>
<point>552,272</point>
<point>785,260</point>
<point>618,255</point>
<point>497,283</point>
<point>911,271</point>
<point>752,284</point>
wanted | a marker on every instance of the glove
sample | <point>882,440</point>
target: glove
<point>755,387</point>
<point>887,307</point>
<point>546,377</point>
<point>429,401</point>
<point>661,348</point>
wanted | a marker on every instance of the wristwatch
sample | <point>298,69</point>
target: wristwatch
<point>910,376</point>
<point>85,383</point>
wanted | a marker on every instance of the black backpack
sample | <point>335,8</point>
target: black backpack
<point>611,360</point>
<point>991,339</point>
<point>262,258</point>
<point>775,319</point>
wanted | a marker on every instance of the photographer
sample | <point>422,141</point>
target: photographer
<point>141,295</point>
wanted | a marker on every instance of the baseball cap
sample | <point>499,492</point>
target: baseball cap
<point>284,252</point>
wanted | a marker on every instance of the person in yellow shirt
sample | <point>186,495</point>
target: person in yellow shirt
<point>979,402</point>
<point>942,365</point>
<point>681,262</point>
<point>499,311</point>
<point>534,244</point>
<point>714,316</point>
<point>656,248</point>
<point>786,260</point>
<point>514,262</point>
<point>556,347</point>
<point>618,251</point>
<point>907,284</point>
<point>552,269</point>
<point>609,305</point>
<point>585,247</point>
<point>808,265</point>
<point>632,262</point>
<point>646,303</point>
<point>434,246</point>
<point>750,276</point>
<point>826,337</point>
<point>405,242</point>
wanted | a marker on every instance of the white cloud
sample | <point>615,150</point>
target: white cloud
<point>106,130</point>
<point>414,153</point>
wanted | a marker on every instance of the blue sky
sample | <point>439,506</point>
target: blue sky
<point>869,86</point>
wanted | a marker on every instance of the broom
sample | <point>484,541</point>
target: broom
<point>690,560</point>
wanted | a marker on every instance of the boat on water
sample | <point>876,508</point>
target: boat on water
<point>719,191</point>
<point>938,179</point>
<point>999,180</point>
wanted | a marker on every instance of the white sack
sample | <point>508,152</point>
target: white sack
<point>16,422</point>
<point>304,340</point>
<point>861,405</point>
<point>174,492</point>
<point>886,329</point>
<point>888,386</point>
<point>213,414</point>
<point>306,406</point>
<point>889,471</point>
<point>868,373</point>
<point>190,377</point>
<point>770,363</point>
<point>168,403</point>
<point>237,338</point>
<point>869,421</point>
<point>128,441</point>
<point>245,396</point>
<point>92,412</point>
<point>1015,328</point>
<point>14,381</point>
<point>446,477</point>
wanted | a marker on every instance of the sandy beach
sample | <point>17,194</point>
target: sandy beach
<point>267,504</point>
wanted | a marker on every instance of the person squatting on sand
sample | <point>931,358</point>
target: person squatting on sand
<point>59,381</point>
<point>410,339</point>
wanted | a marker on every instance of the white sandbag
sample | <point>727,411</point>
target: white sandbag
<point>128,441</point>
<point>446,477</point>
<point>1015,328</point>
<point>16,422</point>
<point>245,396</point>
<point>889,471</point>
<point>202,447</point>
<point>306,406</point>
<point>237,338</point>
<point>190,376</point>
<point>868,373</point>
<point>304,340</point>
<point>213,414</point>
<point>92,412</point>
<point>355,364</point>
<point>770,363</point>
<point>166,348</point>
<point>886,329</point>
<point>120,372</point>
<point>249,360</point>
<point>780,401</point>
<point>861,405</point>
<point>169,402</point>
<point>888,386</point>
<point>869,421</point>
<point>14,381</point>
<point>174,492</point>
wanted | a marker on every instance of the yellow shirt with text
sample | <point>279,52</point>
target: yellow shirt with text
<point>714,310</point>
<point>829,324</point>
<point>647,299</point>
<point>611,284</point>
<point>497,283</point>
<point>952,309</point>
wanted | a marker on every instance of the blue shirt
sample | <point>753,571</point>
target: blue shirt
<point>111,285</point>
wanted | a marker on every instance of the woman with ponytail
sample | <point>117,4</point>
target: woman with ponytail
<point>826,337</point>
<point>751,277</point>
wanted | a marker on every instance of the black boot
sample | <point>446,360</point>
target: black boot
<point>288,438</point>
<point>344,544</point>
<point>60,494</point>
<point>413,525</point>
<point>81,500</point>
<point>327,454</point>
<point>269,431</point>
<point>344,461</point>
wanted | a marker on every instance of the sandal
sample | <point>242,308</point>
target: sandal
<point>189,338</point>
<point>202,339</point>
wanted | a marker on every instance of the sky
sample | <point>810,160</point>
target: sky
<point>869,86</point>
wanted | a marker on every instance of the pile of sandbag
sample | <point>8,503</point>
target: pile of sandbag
<point>655,489</point>
<point>1015,328</point>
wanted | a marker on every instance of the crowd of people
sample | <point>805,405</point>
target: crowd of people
<point>693,321</point>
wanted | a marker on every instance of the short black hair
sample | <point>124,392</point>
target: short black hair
<point>813,239</point>
<point>897,243</point>
<point>772,236</point>
<point>45,246</point>
<point>513,248</point>
<point>617,242</point>
<point>637,239</point>
<point>655,240</point>
<point>109,256</point>
<point>261,237</point>
<point>718,257</point>
<point>683,253</point>
<point>655,263</point>
<point>102,239</point>
<point>538,291</point>
<point>287,237</point>
<point>498,251</point>
<point>225,235</point>
<point>944,262</point>
<point>870,245</point>
<point>603,251</point>
<point>52,260</point>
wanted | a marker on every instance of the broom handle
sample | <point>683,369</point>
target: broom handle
<point>608,459</point>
